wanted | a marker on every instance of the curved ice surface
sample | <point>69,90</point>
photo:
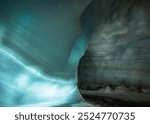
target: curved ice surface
<point>41,43</point>
<point>25,86</point>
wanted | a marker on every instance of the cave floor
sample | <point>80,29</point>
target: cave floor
<point>116,99</point>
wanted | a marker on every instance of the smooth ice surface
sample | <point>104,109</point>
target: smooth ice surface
<point>41,43</point>
<point>24,85</point>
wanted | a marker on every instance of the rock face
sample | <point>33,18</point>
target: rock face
<point>119,46</point>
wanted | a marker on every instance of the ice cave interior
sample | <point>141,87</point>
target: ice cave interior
<point>74,53</point>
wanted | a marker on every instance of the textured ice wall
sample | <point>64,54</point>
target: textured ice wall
<point>41,43</point>
<point>119,49</point>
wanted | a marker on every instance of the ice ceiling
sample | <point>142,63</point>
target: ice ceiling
<point>41,43</point>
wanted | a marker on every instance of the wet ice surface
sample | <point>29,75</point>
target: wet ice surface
<point>25,86</point>
<point>41,44</point>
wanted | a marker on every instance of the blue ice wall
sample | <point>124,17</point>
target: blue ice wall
<point>41,43</point>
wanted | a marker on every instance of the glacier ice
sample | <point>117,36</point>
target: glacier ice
<point>41,43</point>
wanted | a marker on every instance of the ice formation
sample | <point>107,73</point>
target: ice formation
<point>41,43</point>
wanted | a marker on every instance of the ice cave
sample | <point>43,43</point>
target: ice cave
<point>74,53</point>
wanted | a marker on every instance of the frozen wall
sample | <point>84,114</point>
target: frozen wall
<point>115,71</point>
<point>119,48</point>
<point>41,43</point>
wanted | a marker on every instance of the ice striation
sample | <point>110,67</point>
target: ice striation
<point>41,43</point>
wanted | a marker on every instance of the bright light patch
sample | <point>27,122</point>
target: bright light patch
<point>31,87</point>
<point>22,81</point>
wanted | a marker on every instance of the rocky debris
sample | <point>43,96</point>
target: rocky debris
<point>121,89</point>
<point>107,90</point>
<point>131,95</point>
<point>146,91</point>
<point>133,88</point>
<point>116,98</point>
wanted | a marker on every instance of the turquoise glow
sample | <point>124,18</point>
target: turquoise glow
<point>25,86</point>
<point>41,44</point>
